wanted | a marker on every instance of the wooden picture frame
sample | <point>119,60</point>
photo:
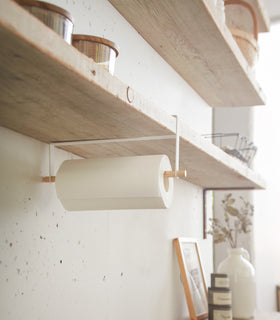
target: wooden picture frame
<point>192,276</point>
<point>278,297</point>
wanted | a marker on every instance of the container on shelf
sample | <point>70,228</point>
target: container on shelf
<point>219,280</point>
<point>242,282</point>
<point>219,296</point>
<point>246,41</point>
<point>236,145</point>
<point>216,312</point>
<point>54,17</point>
<point>102,51</point>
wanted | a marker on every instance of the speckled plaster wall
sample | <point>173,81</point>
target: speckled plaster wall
<point>97,265</point>
<point>90,265</point>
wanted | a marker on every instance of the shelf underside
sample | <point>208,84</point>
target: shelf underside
<point>54,93</point>
<point>187,36</point>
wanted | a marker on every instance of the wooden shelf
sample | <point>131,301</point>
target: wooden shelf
<point>52,92</point>
<point>187,36</point>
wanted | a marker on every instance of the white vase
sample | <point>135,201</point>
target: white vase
<point>242,283</point>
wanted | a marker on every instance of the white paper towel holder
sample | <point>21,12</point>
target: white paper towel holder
<point>169,174</point>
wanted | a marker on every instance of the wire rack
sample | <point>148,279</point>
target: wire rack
<point>234,144</point>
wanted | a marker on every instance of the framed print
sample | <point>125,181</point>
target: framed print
<point>278,297</point>
<point>192,276</point>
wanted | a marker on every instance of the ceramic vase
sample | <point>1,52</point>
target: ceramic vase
<point>242,283</point>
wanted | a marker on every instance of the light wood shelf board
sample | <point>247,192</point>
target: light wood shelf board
<point>49,92</point>
<point>53,89</point>
<point>186,35</point>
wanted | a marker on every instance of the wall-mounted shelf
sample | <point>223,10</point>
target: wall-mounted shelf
<point>51,92</point>
<point>187,36</point>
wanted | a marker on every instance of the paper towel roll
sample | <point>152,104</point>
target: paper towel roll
<point>115,183</point>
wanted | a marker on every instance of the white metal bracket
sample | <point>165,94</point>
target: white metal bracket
<point>176,173</point>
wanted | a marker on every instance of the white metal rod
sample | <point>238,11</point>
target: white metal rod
<point>51,151</point>
<point>77,142</point>
<point>177,145</point>
<point>176,173</point>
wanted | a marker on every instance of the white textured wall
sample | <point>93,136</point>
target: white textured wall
<point>92,265</point>
<point>267,133</point>
<point>97,265</point>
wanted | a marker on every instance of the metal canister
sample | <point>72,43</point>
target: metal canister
<point>53,16</point>
<point>102,51</point>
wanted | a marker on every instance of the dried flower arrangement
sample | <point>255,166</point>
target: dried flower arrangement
<point>235,221</point>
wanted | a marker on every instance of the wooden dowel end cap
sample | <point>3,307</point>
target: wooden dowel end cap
<point>49,179</point>
<point>173,174</point>
<point>168,174</point>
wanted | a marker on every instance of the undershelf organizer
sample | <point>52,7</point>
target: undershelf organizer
<point>52,92</point>
<point>186,34</point>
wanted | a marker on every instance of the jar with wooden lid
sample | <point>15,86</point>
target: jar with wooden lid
<point>53,16</point>
<point>104,52</point>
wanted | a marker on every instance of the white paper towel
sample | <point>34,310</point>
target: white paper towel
<point>115,183</point>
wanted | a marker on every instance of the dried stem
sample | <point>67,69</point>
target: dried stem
<point>236,221</point>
